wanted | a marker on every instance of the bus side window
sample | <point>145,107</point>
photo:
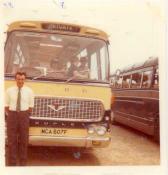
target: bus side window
<point>112,81</point>
<point>119,82</point>
<point>136,80</point>
<point>19,59</point>
<point>103,62</point>
<point>94,67</point>
<point>126,81</point>
<point>147,78</point>
<point>156,79</point>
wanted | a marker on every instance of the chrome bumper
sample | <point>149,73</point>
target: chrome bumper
<point>87,142</point>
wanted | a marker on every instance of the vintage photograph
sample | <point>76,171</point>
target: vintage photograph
<point>83,83</point>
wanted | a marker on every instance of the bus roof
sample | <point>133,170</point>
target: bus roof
<point>58,27</point>
<point>151,61</point>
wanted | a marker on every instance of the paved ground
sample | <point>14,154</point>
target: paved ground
<point>128,147</point>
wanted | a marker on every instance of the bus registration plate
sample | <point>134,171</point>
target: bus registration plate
<point>54,131</point>
<point>66,132</point>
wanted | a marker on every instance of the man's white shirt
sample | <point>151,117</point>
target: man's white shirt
<point>27,98</point>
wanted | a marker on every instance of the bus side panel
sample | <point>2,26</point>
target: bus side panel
<point>137,109</point>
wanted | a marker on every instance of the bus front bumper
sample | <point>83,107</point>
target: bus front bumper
<point>87,142</point>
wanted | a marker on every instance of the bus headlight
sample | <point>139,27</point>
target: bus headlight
<point>91,129</point>
<point>101,130</point>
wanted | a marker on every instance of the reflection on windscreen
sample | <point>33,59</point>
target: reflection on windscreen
<point>56,56</point>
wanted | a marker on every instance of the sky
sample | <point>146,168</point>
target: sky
<point>135,27</point>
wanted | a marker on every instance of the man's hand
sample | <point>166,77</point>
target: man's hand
<point>7,109</point>
<point>6,112</point>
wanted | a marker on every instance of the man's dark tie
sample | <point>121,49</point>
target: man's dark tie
<point>18,105</point>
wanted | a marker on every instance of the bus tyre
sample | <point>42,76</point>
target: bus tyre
<point>157,129</point>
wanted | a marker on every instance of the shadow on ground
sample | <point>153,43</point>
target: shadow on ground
<point>60,156</point>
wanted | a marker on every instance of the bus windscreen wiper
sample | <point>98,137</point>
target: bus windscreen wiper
<point>39,76</point>
<point>74,79</point>
<point>77,80</point>
<point>47,75</point>
<point>44,73</point>
<point>69,79</point>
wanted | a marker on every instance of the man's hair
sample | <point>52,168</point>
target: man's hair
<point>20,73</point>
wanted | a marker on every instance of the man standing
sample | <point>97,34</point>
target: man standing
<point>19,104</point>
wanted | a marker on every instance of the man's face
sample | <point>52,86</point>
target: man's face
<point>20,79</point>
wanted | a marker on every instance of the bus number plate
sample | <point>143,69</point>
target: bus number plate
<point>53,131</point>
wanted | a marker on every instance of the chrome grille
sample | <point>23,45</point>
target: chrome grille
<point>67,109</point>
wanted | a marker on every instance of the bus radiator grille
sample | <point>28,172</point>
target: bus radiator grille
<point>68,109</point>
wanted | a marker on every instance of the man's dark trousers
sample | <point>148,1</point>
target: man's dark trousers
<point>17,137</point>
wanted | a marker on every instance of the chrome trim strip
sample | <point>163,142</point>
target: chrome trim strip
<point>135,89</point>
<point>65,119</point>
<point>68,141</point>
<point>135,116</point>
<point>137,97</point>
<point>131,101</point>
<point>73,138</point>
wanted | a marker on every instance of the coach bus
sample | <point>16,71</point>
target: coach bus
<point>69,111</point>
<point>136,91</point>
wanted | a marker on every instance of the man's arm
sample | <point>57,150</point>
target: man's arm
<point>6,110</point>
